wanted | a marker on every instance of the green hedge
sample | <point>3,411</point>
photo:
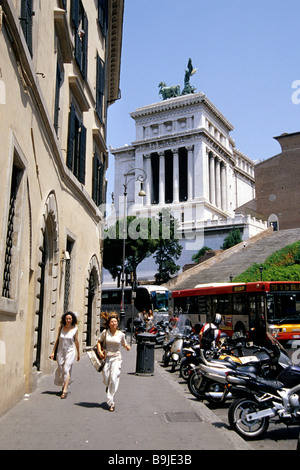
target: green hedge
<point>282,265</point>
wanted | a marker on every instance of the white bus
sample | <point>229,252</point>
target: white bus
<point>146,297</point>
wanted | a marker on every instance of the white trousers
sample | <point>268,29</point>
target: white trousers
<point>111,377</point>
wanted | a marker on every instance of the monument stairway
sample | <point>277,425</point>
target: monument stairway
<point>235,260</point>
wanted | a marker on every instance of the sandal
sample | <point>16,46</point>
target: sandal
<point>64,395</point>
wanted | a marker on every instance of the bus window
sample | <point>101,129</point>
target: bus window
<point>105,298</point>
<point>159,300</point>
<point>142,301</point>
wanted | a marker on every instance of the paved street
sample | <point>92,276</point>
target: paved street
<point>152,413</point>
<point>278,436</point>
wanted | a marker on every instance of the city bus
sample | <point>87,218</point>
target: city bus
<point>148,297</point>
<point>252,308</point>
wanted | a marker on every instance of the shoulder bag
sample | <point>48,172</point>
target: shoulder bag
<point>94,357</point>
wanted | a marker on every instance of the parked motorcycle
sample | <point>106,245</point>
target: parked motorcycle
<point>208,380</point>
<point>158,329</point>
<point>262,399</point>
<point>175,341</point>
<point>192,356</point>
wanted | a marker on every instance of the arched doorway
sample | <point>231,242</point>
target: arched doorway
<point>46,290</point>
<point>273,221</point>
<point>92,314</point>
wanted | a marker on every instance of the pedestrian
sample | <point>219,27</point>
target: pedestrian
<point>210,334</point>
<point>109,347</point>
<point>66,346</point>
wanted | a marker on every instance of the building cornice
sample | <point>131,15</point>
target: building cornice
<point>181,102</point>
<point>115,33</point>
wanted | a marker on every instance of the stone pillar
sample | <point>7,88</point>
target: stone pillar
<point>224,186</point>
<point>175,176</point>
<point>212,185</point>
<point>218,183</point>
<point>161,177</point>
<point>199,170</point>
<point>190,167</point>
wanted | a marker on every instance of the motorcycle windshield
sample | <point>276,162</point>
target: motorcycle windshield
<point>182,325</point>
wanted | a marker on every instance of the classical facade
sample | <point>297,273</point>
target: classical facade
<point>183,144</point>
<point>59,71</point>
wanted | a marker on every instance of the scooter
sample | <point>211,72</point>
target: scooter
<point>191,358</point>
<point>263,399</point>
<point>192,355</point>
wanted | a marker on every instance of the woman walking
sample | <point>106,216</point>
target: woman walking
<point>66,345</point>
<point>109,347</point>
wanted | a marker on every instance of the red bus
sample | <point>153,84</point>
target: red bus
<point>253,308</point>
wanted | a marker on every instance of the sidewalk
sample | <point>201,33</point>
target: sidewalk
<point>152,413</point>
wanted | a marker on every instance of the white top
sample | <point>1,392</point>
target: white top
<point>112,343</point>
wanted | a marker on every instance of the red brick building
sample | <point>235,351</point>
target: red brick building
<point>277,183</point>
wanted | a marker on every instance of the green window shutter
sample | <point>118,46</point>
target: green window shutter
<point>82,150</point>
<point>71,138</point>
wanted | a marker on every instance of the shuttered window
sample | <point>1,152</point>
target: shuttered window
<point>26,21</point>
<point>59,79</point>
<point>76,146</point>
<point>100,88</point>
<point>103,16</point>
<point>80,24</point>
<point>98,178</point>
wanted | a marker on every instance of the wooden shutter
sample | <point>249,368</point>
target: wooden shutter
<point>71,139</point>
<point>82,154</point>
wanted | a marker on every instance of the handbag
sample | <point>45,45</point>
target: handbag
<point>56,347</point>
<point>93,356</point>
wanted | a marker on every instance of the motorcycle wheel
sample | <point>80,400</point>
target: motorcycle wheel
<point>166,359</point>
<point>194,383</point>
<point>214,393</point>
<point>185,367</point>
<point>237,413</point>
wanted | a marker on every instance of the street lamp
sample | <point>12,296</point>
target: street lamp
<point>141,177</point>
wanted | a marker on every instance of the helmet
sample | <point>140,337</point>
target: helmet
<point>217,319</point>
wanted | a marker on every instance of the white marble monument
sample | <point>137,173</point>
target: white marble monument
<point>183,144</point>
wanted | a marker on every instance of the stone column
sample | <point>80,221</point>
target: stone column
<point>161,177</point>
<point>218,183</point>
<point>175,176</point>
<point>224,186</point>
<point>212,185</point>
<point>190,151</point>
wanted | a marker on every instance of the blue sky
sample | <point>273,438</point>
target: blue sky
<point>247,55</point>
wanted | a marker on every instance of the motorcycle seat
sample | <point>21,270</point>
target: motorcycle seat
<point>248,369</point>
<point>268,385</point>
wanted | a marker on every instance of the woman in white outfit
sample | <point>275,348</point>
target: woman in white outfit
<point>66,344</point>
<point>109,347</point>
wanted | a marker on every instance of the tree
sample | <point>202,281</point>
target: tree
<point>233,238</point>
<point>168,249</point>
<point>200,253</point>
<point>138,245</point>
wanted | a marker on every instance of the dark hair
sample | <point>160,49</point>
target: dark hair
<point>74,318</point>
<point>107,316</point>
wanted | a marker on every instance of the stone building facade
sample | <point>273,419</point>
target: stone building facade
<point>184,146</point>
<point>59,72</point>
